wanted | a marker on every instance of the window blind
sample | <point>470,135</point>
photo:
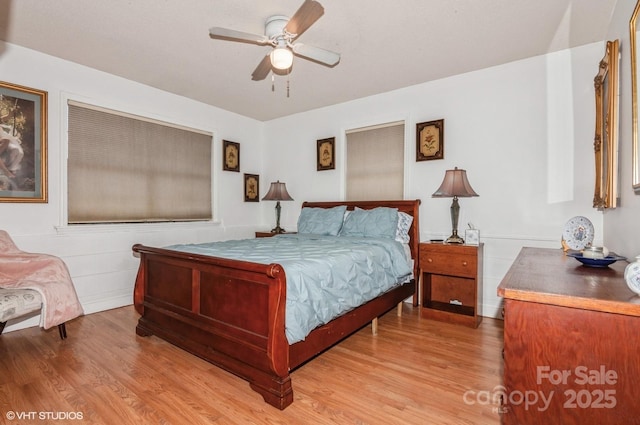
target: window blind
<point>122,168</point>
<point>375,163</point>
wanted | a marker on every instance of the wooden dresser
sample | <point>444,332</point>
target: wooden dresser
<point>571,342</point>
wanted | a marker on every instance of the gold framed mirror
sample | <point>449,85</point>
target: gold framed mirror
<point>633,47</point>
<point>605,142</point>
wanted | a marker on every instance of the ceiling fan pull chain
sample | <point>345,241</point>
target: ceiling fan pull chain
<point>273,86</point>
<point>288,73</point>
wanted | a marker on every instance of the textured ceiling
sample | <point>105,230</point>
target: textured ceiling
<point>385,44</point>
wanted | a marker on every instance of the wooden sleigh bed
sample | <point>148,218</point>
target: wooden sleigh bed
<point>232,313</point>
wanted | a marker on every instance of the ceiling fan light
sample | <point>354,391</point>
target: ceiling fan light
<point>281,58</point>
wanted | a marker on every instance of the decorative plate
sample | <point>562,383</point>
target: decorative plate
<point>632,275</point>
<point>578,233</point>
<point>596,262</point>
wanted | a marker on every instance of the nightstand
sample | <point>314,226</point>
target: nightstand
<point>269,234</point>
<point>451,283</point>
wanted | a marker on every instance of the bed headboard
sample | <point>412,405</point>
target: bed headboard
<point>411,207</point>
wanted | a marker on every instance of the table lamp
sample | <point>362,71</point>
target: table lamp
<point>455,185</point>
<point>277,192</point>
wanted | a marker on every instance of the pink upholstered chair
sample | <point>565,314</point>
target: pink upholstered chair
<point>35,282</point>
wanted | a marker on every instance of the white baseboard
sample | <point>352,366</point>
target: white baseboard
<point>115,300</point>
<point>494,311</point>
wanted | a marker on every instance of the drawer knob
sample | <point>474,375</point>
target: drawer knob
<point>429,260</point>
<point>464,263</point>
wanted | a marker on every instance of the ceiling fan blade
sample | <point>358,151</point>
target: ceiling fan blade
<point>233,35</point>
<point>305,16</point>
<point>262,70</point>
<point>317,54</point>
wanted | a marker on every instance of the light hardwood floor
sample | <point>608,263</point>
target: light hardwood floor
<point>415,371</point>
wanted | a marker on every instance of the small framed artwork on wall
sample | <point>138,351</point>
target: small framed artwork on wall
<point>430,140</point>
<point>230,156</point>
<point>326,154</point>
<point>251,188</point>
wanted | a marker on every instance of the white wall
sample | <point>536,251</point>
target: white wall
<point>523,131</point>
<point>100,257</point>
<point>622,232</point>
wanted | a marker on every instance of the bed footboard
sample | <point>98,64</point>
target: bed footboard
<point>231,313</point>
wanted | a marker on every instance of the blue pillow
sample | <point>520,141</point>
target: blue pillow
<point>321,221</point>
<point>379,222</point>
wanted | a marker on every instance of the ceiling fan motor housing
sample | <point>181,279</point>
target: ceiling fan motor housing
<point>274,26</point>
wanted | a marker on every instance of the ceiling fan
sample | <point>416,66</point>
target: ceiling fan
<point>281,33</point>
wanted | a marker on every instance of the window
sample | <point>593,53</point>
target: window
<point>125,168</point>
<point>375,162</point>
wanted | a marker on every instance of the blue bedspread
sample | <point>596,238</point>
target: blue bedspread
<point>326,275</point>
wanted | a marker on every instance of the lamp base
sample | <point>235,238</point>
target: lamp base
<point>455,210</point>
<point>454,239</point>
<point>277,229</point>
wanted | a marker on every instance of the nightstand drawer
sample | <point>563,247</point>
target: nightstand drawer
<point>449,264</point>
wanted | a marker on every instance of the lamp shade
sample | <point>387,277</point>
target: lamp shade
<point>455,184</point>
<point>277,192</point>
<point>281,58</point>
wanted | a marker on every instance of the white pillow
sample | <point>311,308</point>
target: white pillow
<point>404,223</point>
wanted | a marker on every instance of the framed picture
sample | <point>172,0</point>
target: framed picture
<point>430,140</point>
<point>251,188</point>
<point>634,25</point>
<point>606,135</point>
<point>326,154</point>
<point>23,144</point>
<point>230,156</point>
